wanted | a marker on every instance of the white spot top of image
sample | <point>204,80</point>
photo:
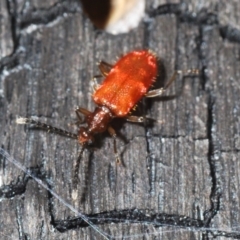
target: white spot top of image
<point>114,16</point>
<point>124,15</point>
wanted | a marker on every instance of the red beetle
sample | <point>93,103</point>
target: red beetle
<point>125,84</point>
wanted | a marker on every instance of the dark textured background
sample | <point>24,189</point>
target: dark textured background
<point>181,179</point>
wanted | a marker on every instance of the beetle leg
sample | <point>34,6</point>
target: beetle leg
<point>46,127</point>
<point>76,168</point>
<point>112,132</point>
<point>95,84</point>
<point>159,91</point>
<point>138,119</point>
<point>83,111</point>
<point>104,68</point>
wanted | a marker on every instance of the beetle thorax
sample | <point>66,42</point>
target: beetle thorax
<point>97,122</point>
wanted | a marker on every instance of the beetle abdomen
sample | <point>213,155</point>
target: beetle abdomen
<point>127,82</point>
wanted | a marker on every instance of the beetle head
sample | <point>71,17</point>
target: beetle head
<point>85,137</point>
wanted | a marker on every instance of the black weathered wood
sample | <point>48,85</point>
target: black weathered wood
<point>181,175</point>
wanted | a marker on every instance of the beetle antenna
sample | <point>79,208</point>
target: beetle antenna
<point>46,127</point>
<point>76,168</point>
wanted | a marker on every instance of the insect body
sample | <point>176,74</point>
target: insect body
<point>125,84</point>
